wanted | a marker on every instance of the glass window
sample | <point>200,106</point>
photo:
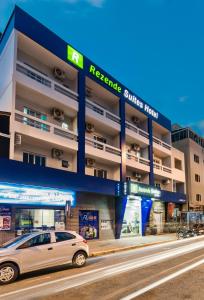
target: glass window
<point>39,240</point>
<point>198,197</point>
<point>100,173</point>
<point>197,178</point>
<point>63,236</point>
<point>34,159</point>
<point>196,158</point>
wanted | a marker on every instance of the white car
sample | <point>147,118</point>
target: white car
<point>34,251</point>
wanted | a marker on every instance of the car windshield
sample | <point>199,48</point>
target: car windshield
<point>15,241</point>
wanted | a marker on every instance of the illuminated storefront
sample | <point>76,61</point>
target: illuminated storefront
<point>26,208</point>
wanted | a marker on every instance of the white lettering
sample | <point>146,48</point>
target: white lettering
<point>75,57</point>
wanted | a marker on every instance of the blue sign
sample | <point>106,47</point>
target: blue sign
<point>34,195</point>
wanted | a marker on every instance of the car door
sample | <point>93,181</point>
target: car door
<point>64,247</point>
<point>36,253</point>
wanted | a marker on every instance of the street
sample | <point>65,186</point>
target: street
<point>172,270</point>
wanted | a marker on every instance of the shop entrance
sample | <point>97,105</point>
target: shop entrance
<point>132,222</point>
<point>39,219</point>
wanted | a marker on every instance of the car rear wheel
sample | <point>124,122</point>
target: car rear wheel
<point>79,259</point>
<point>8,273</point>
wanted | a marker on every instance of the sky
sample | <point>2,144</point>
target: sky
<point>153,47</point>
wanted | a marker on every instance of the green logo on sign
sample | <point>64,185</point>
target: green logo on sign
<point>75,57</point>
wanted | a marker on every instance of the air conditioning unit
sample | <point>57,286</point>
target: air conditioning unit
<point>135,147</point>
<point>58,114</point>
<point>166,182</point>
<point>136,175</point>
<point>136,121</point>
<point>89,127</point>
<point>59,74</point>
<point>90,163</point>
<point>18,139</point>
<point>57,153</point>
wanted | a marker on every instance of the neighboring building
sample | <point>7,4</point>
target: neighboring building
<point>189,142</point>
<point>76,144</point>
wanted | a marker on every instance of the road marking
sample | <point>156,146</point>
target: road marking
<point>61,284</point>
<point>163,280</point>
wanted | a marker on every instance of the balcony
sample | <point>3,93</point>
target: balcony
<point>178,175</point>
<point>43,130</point>
<point>139,163</point>
<point>103,151</point>
<point>99,114</point>
<point>29,76</point>
<point>137,134</point>
<point>161,147</point>
<point>162,171</point>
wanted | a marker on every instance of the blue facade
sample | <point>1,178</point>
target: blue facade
<point>16,172</point>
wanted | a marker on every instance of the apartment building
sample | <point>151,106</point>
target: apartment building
<point>77,148</point>
<point>189,142</point>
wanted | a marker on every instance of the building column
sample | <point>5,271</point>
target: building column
<point>81,119</point>
<point>122,141</point>
<point>150,131</point>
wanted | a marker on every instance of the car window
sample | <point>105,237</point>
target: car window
<point>38,240</point>
<point>63,236</point>
<point>15,241</point>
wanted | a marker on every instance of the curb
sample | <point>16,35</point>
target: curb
<point>105,252</point>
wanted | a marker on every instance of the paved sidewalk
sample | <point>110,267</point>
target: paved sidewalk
<point>98,248</point>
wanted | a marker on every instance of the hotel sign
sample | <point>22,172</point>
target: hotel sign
<point>143,190</point>
<point>75,57</point>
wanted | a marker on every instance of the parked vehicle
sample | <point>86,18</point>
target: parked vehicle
<point>199,228</point>
<point>185,232</point>
<point>34,251</point>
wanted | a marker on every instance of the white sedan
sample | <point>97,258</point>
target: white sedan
<point>35,251</point>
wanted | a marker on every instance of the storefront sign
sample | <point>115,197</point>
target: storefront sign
<point>32,195</point>
<point>5,218</point>
<point>75,57</point>
<point>143,106</point>
<point>114,85</point>
<point>138,189</point>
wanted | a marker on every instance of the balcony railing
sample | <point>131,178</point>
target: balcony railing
<point>45,80</point>
<point>44,126</point>
<point>102,111</point>
<point>161,143</point>
<point>136,130</point>
<point>104,147</point>
<point>140,160</point>
<point>162,168</point>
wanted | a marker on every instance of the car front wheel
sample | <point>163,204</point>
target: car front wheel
<point>79,259</point>
<point>8,273</point>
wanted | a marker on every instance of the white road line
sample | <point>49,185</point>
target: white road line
<point>65,283</point>
<point>163,280</point>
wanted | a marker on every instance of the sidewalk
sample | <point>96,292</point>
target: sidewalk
<point>98,248</point>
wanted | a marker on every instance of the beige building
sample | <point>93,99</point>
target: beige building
<point>186,140</point>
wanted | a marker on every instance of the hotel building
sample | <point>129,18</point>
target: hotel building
<point>78,149</point>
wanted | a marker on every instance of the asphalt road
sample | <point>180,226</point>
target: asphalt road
<point>174,270</point>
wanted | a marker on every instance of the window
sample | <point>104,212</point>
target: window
<point>63,236</point>
<point>100,173</point>
<point>196,158</point>
<point>197,178</point>
<point>39,240</point>
<point>37,115</point>
<point>34,159</point>
<point>158,185</point>
<point>178,164</point>
<point>198,197</point>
